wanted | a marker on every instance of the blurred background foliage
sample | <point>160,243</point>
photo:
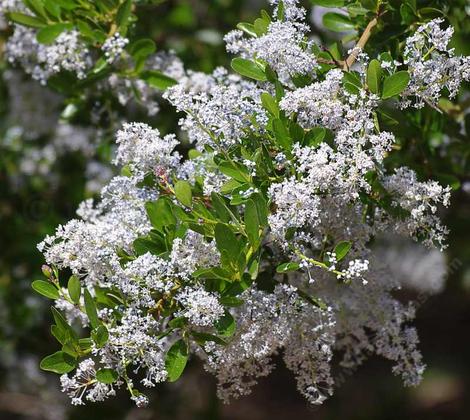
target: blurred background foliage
<point>39,190</point>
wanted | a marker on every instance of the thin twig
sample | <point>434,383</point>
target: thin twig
<point>360,44</point>
<point>338,63</point>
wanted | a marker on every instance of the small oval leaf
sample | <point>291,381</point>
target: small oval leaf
<point>342,249</point>
<point>75,289</point>
<point>106,375</point>
<point>59,362</point>
<point>183,193</point>
<point>395,84</point>
<point>249,69</point>
<point>46,289</point>
<point>176,360</point>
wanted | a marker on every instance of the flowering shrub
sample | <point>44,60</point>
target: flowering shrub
<point>259,240</point>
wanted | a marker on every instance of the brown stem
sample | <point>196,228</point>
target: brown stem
<point>360,44</point>
<point>322,60</point>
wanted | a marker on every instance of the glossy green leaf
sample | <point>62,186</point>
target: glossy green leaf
<point>374,74</point>
<point>160,214</point>
<point>100,336</point>
<point>74,288</point>
<point>252,224</point>
<point>123,14</point>
<point>183,193</point>
<point>226,241</point>
<point>142,48</point>
<point>395,84</point>
<point>226,325</point>
<point>90,309</point>
<point>157,79</point>
<point>342,249</point>
<point>337,22</point>
<point>235,171</point>
<point>249,69</point>
<point>106,375</point>
<point>270,104</point>
<point>282,135</point>
<point>287,267</point>
<point>59,362</point>
<point>176,360</point>
<point>202,338</point>
<point>328,3</point>
<point>248,28</point>
<point>26,20</point>
<point>46,289</point>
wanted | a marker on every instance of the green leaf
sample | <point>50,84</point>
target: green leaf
<point>261,26</point>
<point>100,336</point>
<point>328,3</point>
<point>53,8</point>
<point>160,214</point>
<point>395,84</point>
<point>157,79</point>
<point>179,322</point>
<point>252,223</point>
<point>75,289</point>
<point>36,7</point>
<point>67,4</point>
<point>26,20</point>
<point>288,266</point>
<point>374,74</point>
<point>59,362</point>
<point>142,48</point>
<point>342,249</point>
<point>231,301</point>
<point>249,69</point>
<point>226,326</point>
<point>90,309</point>
<point>248,28</point>
<point>235,171</point>
<point>202,338</point>
<point>123,14</point>
<point>176,360</point>
<point>183,193</point>
<point>85,29</point>
<point>262,208</point>
<point>315,137</point>
<point>223,212</point>
<point>281,11</point>
<point>58,334</point>
<point>337,22</point>
<point>60,320</point>
<point>227,241</point>
<point>370,4</point>
<point>153,244</point>
<point>270,104</point>
<point>46,289</point>
<point>312,300</point>
<point>106,375</point>
<point>282,135</point>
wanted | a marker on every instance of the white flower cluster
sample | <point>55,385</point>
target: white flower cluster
<point>284,46</point>
<point>322,195</point>
<point>130,92</point>
<point>142,147</point>
<point>84,381</point>
<point>432,65</point>
<point>113,47</point>
<point>7,6</point>
<point>218,106</point>
<point>67,52</point>
<point>421,200</point>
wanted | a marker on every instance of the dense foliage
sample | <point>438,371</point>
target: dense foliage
<point>260,228</point>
